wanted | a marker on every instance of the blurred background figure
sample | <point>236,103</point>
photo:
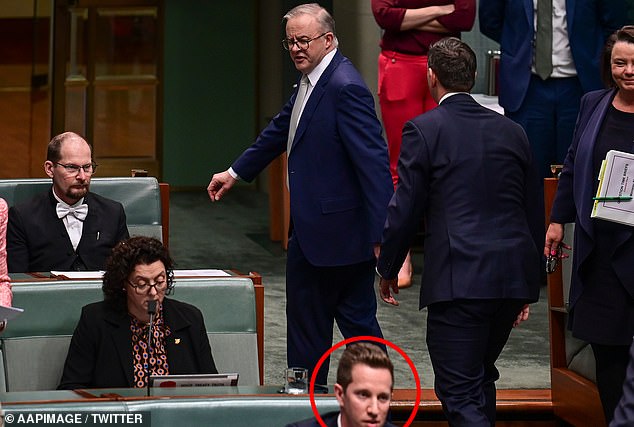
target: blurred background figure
<point>409,28</point>
<point>602,287</point>
<point>109,347</point>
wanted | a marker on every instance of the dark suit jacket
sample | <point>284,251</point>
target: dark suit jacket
<point>510,23</point>
<point>100,352</point>
<point>38,241</point>
<point>330,419</point>
<point>468,172</point>
<point>338,168</point>
<point>573,201</point>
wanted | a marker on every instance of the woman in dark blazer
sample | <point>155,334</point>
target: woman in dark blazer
<point>109,346</point>
<point>602,285</point>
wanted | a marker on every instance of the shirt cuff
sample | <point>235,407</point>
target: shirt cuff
<point>233,174</point>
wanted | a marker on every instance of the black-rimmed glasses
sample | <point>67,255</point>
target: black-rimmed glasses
<point>144,287</point>
<point>302,44</point>
<point>89,168</point>
<point>552,261</point>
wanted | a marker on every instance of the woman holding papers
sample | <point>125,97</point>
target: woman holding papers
<point>602,286</point>
<point>5,283</point>
<point>109,347</point>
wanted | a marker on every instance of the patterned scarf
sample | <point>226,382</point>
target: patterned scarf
<point>156,360</point>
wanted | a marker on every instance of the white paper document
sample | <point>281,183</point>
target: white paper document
<point>8,313</point>
<point>79,274</point>
<point>200,273</point>
<point>616,179</point>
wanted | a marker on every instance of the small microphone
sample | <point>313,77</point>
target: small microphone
<point>151,310</point>
<point>151,307</point>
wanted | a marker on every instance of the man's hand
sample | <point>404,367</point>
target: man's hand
<point>220,183</point>
<point>522,316</point>
<point>384,290</point>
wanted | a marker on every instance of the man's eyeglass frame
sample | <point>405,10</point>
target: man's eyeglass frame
<point>302,44</point>
<point>89,168</point>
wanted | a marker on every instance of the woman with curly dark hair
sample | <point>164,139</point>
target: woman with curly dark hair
<point>109,346</point>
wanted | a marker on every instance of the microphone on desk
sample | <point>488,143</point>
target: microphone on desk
<point>151,310</point>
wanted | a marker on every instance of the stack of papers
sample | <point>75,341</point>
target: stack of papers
<point>616,180</point>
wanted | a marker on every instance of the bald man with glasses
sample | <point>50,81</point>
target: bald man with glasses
<point>66,228</point>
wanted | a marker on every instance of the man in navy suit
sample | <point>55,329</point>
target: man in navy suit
<point>365,379</point>
<point>467,171</point>
<point>66,228</point>
<point>339,184</point>
<point>547,106</point>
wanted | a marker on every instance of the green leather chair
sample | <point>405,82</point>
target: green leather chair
<point>233,410</point>
<point>140,197</point>
<point>34,346</point>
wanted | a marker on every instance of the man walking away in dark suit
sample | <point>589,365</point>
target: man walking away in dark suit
<point>339,184</point>
<point>66,228</point>
<point>365,379</point>
<point>468,172</point>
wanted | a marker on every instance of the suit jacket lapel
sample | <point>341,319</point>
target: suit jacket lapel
<point>91,219</point>
<point>570,15</point>
<point>583,162</point>
<point>175,342</point>
<point>58,223</point>
<point>122,339</point>
<point>530,14</point>
<point>315,97</point>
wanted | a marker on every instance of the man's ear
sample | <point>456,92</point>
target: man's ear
<point>432,80</point>
<point>330,39</point>
<point>48,168</point>
<point>339,393</point>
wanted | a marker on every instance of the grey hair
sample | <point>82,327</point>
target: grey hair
<point>325,19</point>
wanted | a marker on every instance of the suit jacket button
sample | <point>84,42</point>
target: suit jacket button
<point>393,61</point>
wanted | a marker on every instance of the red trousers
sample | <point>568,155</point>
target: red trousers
<point>403,95</point>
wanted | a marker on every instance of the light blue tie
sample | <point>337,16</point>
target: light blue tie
<point>297,107</point>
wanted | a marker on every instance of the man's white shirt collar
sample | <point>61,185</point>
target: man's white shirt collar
<point>64,203</point>
<point>448,94</point>
<point>313,76</point>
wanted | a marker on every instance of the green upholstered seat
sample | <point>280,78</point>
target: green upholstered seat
<point>34,346</point>
<point>234,411</point>
<point>140,197</point>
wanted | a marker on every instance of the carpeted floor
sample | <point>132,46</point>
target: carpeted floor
<point>233,234</point>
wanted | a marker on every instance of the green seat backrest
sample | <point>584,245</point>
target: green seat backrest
<point>34,346</point>
<point>234,411</point>
<point>140,197</point>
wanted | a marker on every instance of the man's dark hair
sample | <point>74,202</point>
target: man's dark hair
<point>454,63</point>
<point>54,149</point>
<point>125,256</point>
<point>362,353</point>
<point>624,34</point>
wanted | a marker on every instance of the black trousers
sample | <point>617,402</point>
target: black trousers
<point>465,338</point>
<point>611,365</point>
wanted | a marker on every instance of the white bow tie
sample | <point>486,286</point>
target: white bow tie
<point>78,212</point>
